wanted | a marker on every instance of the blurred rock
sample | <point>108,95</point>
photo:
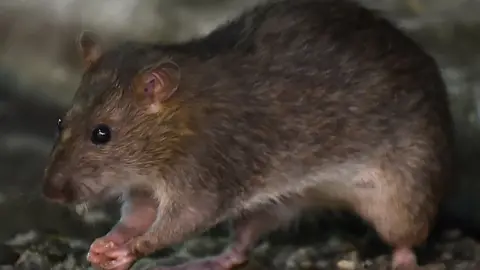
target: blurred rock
<point>33,261</point>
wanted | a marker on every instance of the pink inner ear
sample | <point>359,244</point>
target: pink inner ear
<point>149,85</point>
<point>155,79</point>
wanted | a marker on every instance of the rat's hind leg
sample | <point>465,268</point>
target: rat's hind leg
<point>401,206</point>
<point>248,228</point>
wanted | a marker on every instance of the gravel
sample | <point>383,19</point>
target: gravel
<point>342,249</point>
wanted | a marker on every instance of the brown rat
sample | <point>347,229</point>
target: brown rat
<point>290,106</point>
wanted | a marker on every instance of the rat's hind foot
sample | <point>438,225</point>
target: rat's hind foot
<point>226,261</point>
<point>404,259</point>
<point>105,254</point>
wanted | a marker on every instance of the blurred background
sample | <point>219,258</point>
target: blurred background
<point>40,69</point>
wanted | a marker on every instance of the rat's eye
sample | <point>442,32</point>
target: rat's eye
<point>59,128</point>
<point>59,125</point>
<point>101,134</point>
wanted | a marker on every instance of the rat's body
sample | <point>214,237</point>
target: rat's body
<point>296,104</point>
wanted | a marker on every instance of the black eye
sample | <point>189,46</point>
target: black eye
<point>59,125</point>
<point>59,129</point>
<point>101,134</point>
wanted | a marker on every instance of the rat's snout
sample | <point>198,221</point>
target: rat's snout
<point>58,189</point>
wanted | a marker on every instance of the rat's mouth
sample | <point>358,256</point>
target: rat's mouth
<point>77,195</point>
<point>58,192</point>
<point>93,196</point>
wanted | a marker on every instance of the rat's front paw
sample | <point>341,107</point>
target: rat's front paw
<point>105,254</point>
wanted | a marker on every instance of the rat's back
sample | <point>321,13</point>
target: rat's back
<point>324,82</point>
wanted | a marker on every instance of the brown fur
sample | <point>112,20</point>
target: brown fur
<point>294,104</point>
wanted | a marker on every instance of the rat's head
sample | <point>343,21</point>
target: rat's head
<point>125,123</point>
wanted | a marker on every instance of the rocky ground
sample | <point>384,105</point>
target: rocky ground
<point>335,248</point>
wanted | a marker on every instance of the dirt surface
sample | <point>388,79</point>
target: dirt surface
<point>334,247</point>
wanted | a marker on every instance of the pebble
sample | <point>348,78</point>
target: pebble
<point>203,246</point>
<point>322,264</point>
<point>306,264</point>
<point>283,258</point>
<point>337,245</point>
<point>302,258</point>
<point>346,265</point>
<point>33,260</point>
<point>446,255</point>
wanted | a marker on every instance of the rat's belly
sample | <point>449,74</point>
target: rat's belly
<point>334,185</point>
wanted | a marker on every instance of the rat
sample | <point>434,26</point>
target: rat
<point>290,106</point>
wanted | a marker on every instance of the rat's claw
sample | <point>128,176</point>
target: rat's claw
<point>121,263</point>
<point>96,254</point>
<point>101,245</point>
<point>95,258</point>
<point>119,253</point>
<point>105,254</point>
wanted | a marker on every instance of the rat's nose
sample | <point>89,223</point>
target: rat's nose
<point>57,191</point>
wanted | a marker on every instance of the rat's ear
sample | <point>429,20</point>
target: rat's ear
<point>157,85</point>
<point>90,48</point>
